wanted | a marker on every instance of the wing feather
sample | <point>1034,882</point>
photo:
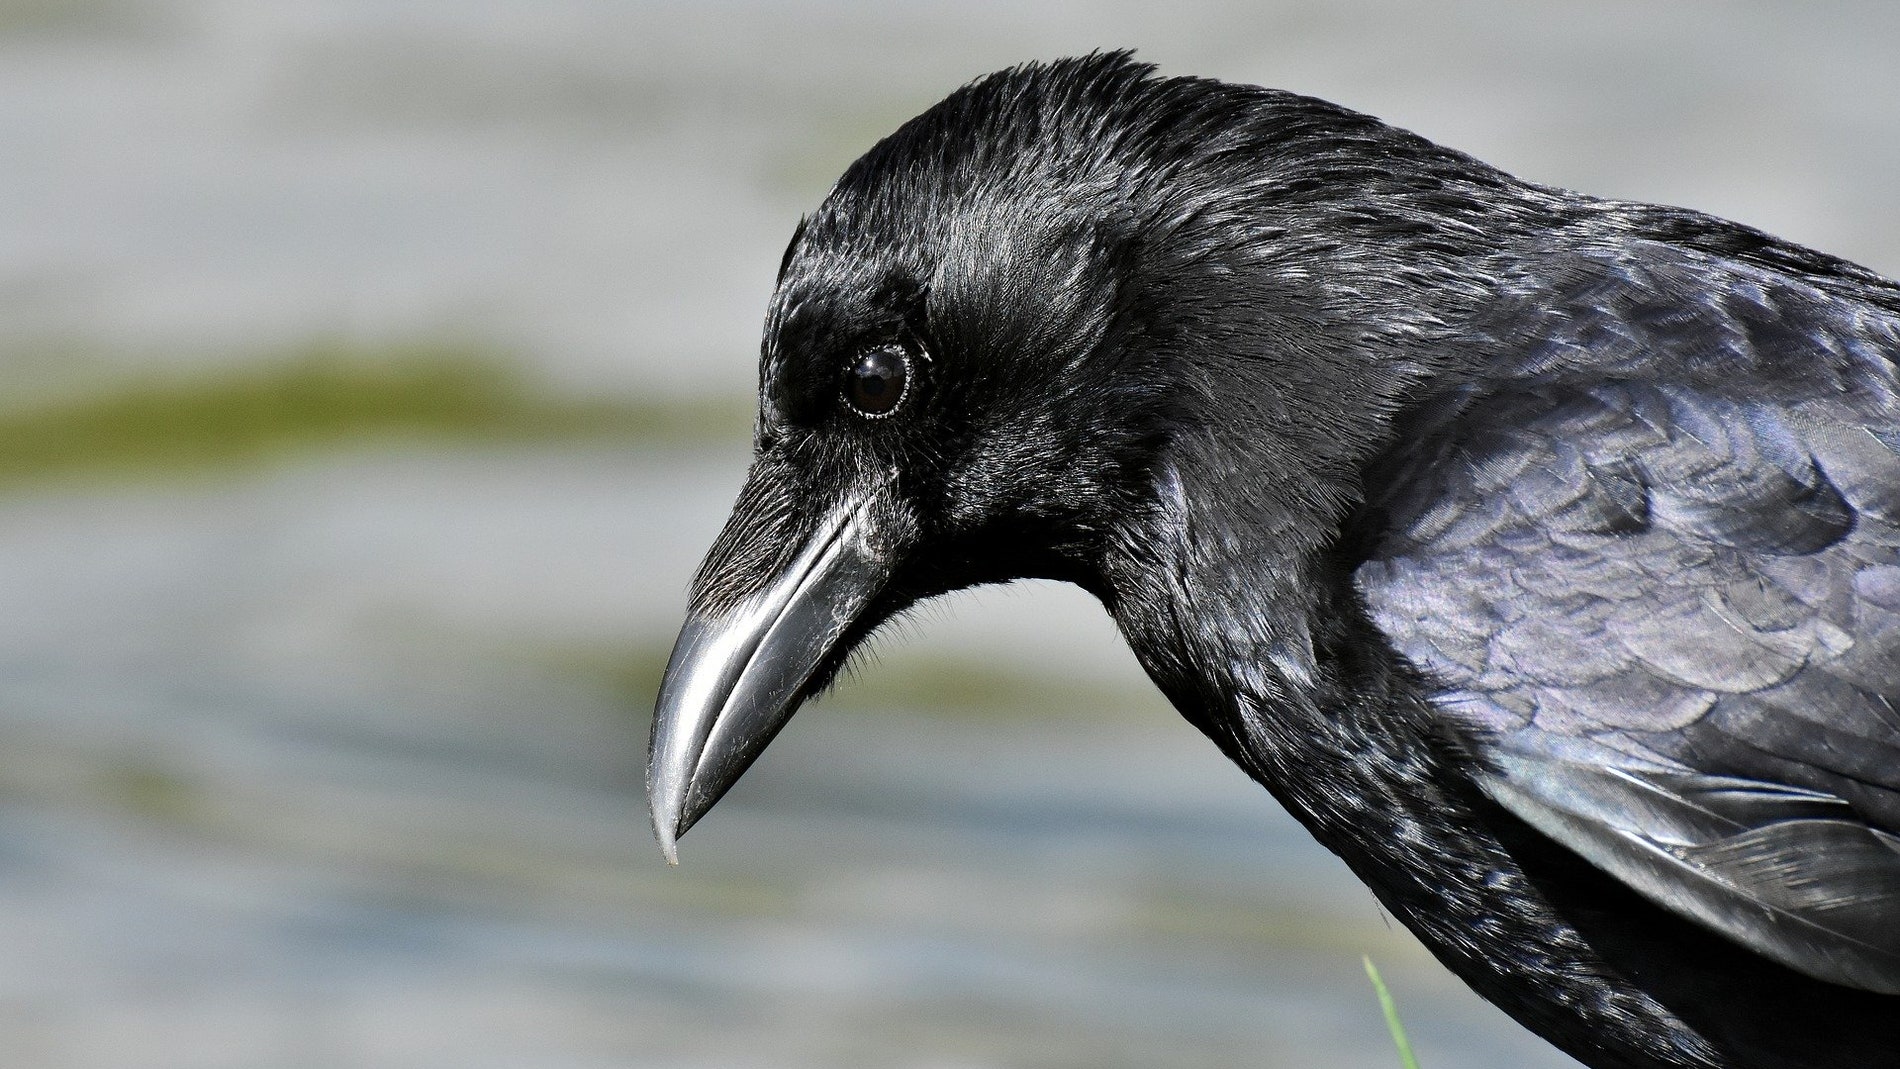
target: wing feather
<point>1791,873</point>
<point>1653,558</point>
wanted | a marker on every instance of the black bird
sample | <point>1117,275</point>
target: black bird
<point>1540,553</point>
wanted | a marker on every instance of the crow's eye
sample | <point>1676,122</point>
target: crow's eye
<point>876,384</point>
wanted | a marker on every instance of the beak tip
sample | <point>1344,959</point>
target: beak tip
<point>667,831</point>
<point>669,843</point>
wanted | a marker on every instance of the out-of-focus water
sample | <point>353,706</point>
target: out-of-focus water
<point>606,185</point>
<point>316,764</point>
<point>295,774</point>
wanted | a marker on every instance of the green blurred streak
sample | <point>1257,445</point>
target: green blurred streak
<point>961,686</point>
<point>1391,1010</point>
<point>77,17</point>
<point>934,685</point>
<point>324,398</point>
<point>151,789</point>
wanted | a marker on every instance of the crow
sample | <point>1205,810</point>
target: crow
<point>1540,553</point>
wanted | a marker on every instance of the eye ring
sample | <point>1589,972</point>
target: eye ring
<point>878,381</point>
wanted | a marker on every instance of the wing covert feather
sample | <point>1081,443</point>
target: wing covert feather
<point>1652,557</point>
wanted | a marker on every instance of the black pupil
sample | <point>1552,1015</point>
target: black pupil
<point>877,382</point>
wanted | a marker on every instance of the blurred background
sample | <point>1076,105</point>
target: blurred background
<point>377,371</point>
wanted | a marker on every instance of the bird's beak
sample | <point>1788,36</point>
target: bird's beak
<point>737,674</point>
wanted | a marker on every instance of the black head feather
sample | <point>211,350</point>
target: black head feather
<point>1096,265</point>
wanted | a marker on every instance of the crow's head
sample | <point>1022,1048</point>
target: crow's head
<point>1012,326</point>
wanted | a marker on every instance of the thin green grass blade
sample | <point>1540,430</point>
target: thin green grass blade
<point>1392,1022</point>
